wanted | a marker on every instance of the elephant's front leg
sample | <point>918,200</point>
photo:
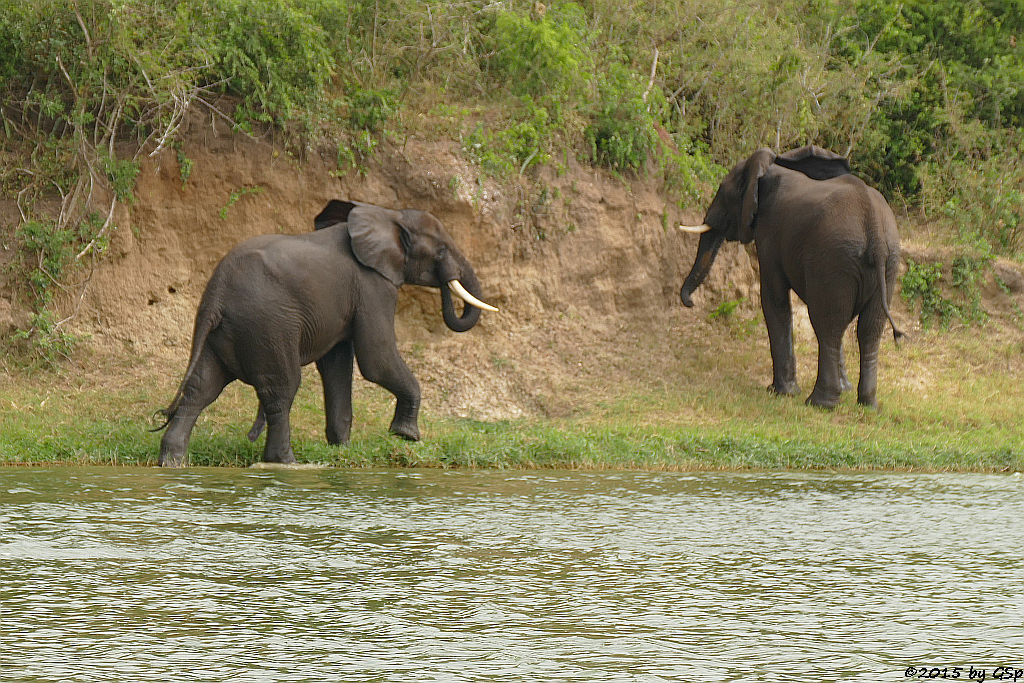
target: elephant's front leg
<point>778,318</point>
<point>336,373</point>
<point>379,361</point>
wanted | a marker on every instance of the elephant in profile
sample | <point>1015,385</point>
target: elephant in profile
<point>823,233</point>
<point>278,302</point>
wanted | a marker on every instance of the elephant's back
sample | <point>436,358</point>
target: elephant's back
<point>284,260</point>
<point>291,288</point>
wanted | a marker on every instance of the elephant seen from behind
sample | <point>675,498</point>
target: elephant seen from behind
<point>823,233</point>
<point>278,302</point>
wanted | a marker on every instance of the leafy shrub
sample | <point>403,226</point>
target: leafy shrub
<point>921,281</point>
<point>185,166</point>
<point>48,248</point>
<point>966,272</point>
<point>961,63</point>
<point>271,54</point>
<point>688,172</point>
<point>982,197</point>
<point>515,148</point>
<point>122,174</point>
<point>621,131</point>
<point>51,246</point>
<point>545,58</point>
<point>369,110</point>
<point>45,340</point>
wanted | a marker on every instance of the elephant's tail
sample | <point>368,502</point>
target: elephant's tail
<point>881,254</point>
<point>881,267</point>
<point>207,318</point>
<point>258,424</point>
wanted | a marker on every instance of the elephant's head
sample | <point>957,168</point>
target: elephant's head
<point>733,212</point>
<point>410,246</point>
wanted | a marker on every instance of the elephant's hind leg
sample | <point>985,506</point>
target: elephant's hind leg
<point>277,397</point>
<point>844,380</point>
<point>336,373</point>
<point>829,322</point>
<point>870,325</point>
<point>202,388</point>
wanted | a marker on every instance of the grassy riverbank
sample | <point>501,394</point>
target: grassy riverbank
<point>559,142</point>
<point>965,419</point>
<point>769,442</point>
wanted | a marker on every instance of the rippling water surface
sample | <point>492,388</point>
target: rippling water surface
<point>227,575</point>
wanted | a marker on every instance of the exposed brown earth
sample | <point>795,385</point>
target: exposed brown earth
<point>585,268</point>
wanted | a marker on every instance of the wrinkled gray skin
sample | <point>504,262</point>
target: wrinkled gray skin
<point>278,302</point>
<point>821,232</point>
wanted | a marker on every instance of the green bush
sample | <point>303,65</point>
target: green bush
<point>270,54</point>
<point>961,63</point>
<point>688,172</point>
<point>621,131</point>
<point>369,110</point>
<point>51,247</point>
<point>982,196</point>
<point>921,282</point>
<point>545,59</point>
<point>44,342</point>
<point>121,174</point>
<point>522,143</point>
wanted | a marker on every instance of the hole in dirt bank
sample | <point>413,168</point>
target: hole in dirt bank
<point>171,290</point>
<point>152,300</point>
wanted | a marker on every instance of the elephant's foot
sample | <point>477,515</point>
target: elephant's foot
<point>171,457</point>
<point>784,388</point>
<point>337,440</point>
<point>827,400</point>
<point>407,430</point>
<point>338,436</point>
<point>286,457</point>
<point>169,460</point>
<point>868,401</point>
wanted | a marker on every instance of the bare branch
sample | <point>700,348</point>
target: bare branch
<point>650,81</point>
<point>228,119</point>
<point>102,231</point>
<point>81,22</point>
<point>78,306</point>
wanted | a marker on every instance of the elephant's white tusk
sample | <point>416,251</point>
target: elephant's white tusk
<point>461,292</point>
<point>696,229</point>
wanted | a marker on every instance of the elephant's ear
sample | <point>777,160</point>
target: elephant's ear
<point>814,162</point>
<point>379,240</point>
<point>755,168</point>
<point>336,211</point>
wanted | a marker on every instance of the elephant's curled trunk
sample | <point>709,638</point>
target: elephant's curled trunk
<point>470,314</point>
<point>707,249</point>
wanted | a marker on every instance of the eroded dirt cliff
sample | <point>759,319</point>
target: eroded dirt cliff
<point>585,268</point>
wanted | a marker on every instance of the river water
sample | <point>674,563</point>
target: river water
<point>113,574</point>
